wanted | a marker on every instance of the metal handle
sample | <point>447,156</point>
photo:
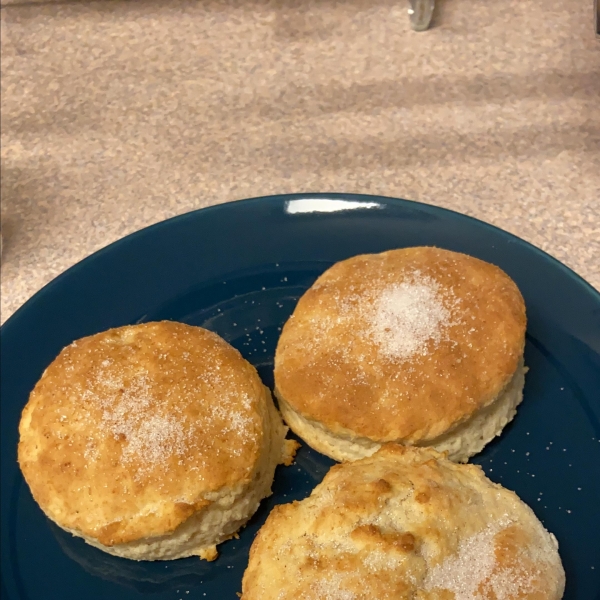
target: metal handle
<point>420,13</point>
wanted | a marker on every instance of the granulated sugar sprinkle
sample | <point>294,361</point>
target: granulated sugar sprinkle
<point>475,564</point>
<point>127,414</point>
<point>332,589</point>
<point>153,431</point>
<point>156,438</point>
<point>410,316</point>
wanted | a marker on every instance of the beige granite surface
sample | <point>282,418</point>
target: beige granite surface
<point>116,115</point>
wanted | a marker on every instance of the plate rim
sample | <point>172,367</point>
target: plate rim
<point>277,199</point>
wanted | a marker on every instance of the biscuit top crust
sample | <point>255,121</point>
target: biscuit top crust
<point>402,345</point>
<point>404,523</point>
<point>129,431</point>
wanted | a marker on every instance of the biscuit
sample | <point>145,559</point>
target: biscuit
<point>153,441</point>
<point>419,346</point>
<point>404,523</point>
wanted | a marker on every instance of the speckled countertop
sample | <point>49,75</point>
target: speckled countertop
<point>116,115</point>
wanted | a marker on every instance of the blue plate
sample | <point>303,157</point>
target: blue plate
<point>239,269</point>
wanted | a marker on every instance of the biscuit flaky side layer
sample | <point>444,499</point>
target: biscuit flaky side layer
<point>150,441</point>
<point>461,442</point>
<point>404,523</point>
<point>401,346</point>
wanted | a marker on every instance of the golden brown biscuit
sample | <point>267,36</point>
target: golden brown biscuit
<point>404,523</point>
<point>419,346</point>
<point>154,441</point>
